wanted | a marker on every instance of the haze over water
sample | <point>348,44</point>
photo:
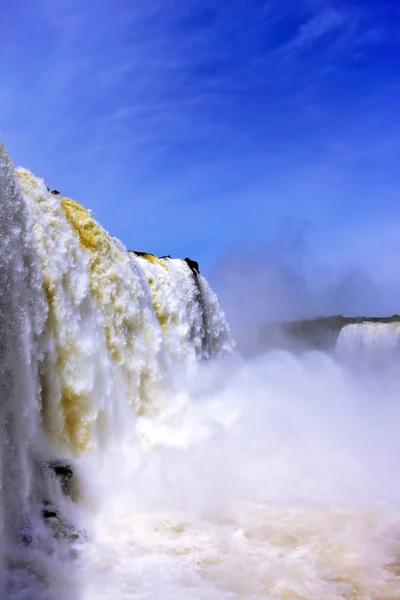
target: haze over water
<point>270,477</point>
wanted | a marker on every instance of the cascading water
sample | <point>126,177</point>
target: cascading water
<point>89,336</point>
<point>132,469</point>
<point>28,547</point>
<point>369,337</point>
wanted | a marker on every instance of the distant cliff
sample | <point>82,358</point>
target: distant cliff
<point>320,333</point>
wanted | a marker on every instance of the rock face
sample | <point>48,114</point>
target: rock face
<point>320,333</point>
<point>193,265</point>
<point>64,474</point>
<point>52,515</point>
<point>144,254</point>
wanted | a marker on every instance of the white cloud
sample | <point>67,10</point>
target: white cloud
<point>315,28</point>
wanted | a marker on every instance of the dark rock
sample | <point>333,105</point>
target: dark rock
<point>61,529</point>
<point>64,474</point>
<point>47,187</point>
<point>47,514</point>
<point>148,255</point>
<point>141,253</point>
<point>193,265</point>
<point>62,470</point>
<point>51,510</point>
<point>55,192</point>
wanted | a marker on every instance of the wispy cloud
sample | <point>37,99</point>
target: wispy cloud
<point>233,103</point>
<point>167,72</point>
<point>325,22</point>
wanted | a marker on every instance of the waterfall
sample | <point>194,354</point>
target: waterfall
<point>91,335</point>
<point>369,338</point>
<point>133,465</point>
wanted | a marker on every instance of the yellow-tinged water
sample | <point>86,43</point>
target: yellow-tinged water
<point>115,322</point>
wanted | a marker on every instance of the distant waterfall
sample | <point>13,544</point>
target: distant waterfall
<point>369,338</point>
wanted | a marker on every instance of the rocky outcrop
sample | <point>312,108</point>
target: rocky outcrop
<point>193,265</point>
<point>51,513</point>
<point>143,254</point>
<point>55,192</point>
<point>64,474</point>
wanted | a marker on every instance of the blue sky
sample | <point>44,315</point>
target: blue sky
<point>199,127</point>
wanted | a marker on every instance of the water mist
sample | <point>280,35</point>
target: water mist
<point>141,458</point>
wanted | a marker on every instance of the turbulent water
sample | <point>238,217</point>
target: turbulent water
<point>141,459</point>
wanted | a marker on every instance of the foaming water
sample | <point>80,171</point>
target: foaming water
<point>92,337</point>
<point>140,458</point>
<point>277,483</point>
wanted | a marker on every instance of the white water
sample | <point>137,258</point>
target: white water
<point>370,337</point>
<point>371,347</point>
<point>265,486</point>
<point>217,480</point>
<point>91,336</point>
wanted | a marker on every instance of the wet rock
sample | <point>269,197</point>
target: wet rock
<point>62,470</point>
<point>141,253</point>
<point>59,525</point>
<point>47,514</point>
<point>52,510</point>
<point>193,265</point>
<point>65,475</point>
<point>61,529</point>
